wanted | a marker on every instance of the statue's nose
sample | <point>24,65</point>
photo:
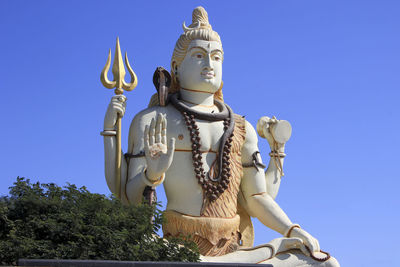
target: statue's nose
<point>207,62</point>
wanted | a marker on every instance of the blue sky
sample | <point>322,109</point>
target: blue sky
<point>331,68</point>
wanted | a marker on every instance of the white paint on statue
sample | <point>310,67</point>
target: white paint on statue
<point>161,132</point>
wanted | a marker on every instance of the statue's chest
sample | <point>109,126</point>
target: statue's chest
<point>210,134</point>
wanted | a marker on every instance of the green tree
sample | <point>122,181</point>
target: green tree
<point>45,221</point>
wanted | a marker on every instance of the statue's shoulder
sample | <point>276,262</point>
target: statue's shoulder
<point>247,129</point>
<point>241,120</point>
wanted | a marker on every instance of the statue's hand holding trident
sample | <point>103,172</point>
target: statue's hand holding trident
<point>112,121</point>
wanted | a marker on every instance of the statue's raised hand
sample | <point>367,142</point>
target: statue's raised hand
<point>158,155</point>
<point>116,107</point>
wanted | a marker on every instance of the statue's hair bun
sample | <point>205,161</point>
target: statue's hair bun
<point>199,20</point>
<point>200,16</point>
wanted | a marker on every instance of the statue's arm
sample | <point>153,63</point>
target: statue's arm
<point>131,167</point>
<point>258,203</point>
<point>115,107</point>
<point>110,164</point>
<point>273,175</point>
<point>274,171</point>
<point>254,192</point>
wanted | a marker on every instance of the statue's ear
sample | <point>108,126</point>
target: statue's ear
<point>174,66</point>
<point>174,76</point>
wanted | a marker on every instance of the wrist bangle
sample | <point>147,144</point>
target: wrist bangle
<point>108,133</point>
<point>289,230</point>
<point>276,154</point>
<point>149,182</point>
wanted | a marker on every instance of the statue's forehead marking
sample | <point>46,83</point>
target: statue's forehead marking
<point>206,45</point>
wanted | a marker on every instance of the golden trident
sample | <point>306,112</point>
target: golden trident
<point>118,71</point>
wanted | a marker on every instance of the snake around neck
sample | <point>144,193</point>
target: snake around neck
<point>213,185</point>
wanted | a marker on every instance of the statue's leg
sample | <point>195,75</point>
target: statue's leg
<point>294,257</point>
<point>254,255</point>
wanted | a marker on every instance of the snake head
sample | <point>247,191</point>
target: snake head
<point>162,81</point>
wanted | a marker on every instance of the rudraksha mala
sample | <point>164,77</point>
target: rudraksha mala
<point>212,186</point>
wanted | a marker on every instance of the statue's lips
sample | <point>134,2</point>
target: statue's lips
<point>208,74</point>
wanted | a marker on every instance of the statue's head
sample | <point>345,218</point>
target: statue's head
<point>197,58</point>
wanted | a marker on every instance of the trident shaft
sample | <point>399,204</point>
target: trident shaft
<point>118,82</point>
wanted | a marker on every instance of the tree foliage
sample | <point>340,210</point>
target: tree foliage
<point>45,221</point>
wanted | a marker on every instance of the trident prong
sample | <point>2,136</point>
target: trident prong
<point>103,76</point>
<point>129,86</point>
<point>118,71</point>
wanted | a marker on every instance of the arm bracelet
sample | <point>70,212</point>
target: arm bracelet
<point>108,133</point>
<point>289,230</point>
<point>256,163</point>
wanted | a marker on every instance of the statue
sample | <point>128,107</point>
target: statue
<point>207,159</point>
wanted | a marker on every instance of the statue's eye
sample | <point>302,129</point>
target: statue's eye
<point>199,56</point>
<point>217,57</point>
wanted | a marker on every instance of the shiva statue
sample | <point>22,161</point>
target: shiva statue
<point>207,159</point>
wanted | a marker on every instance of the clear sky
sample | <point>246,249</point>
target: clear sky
<point>329,67</point>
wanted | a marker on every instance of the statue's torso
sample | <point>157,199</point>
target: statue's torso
<point>184,194</point>
<point>214,225</point>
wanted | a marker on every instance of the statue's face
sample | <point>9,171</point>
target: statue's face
<point>201,68</point>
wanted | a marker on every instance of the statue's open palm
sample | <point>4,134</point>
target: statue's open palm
<point>158,155</point>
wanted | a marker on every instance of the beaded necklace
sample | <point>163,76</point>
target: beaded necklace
<point>213,186</point>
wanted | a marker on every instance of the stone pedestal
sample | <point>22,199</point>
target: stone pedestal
<point>103,263</point>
